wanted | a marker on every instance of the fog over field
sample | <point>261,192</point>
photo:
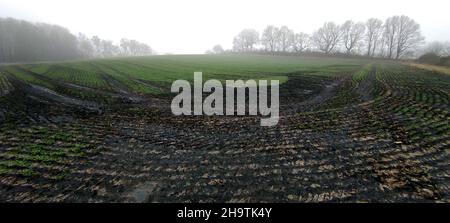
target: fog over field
<point>175,101</point>
<point>179,27</point>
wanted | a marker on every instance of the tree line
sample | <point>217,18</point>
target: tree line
<point>397,37</point>
<point>22,41</point>
<point>436,52</point>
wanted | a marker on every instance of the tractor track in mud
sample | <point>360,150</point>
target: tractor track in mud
<point>321,151</point>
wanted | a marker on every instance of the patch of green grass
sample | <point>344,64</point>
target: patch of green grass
<point>39,146</point>
<point>74,75</point>
<point>154,75</point>
<point>27,77</point>
<point>61,136</point>
<point>4,83</point>
<point>161,71</point>
<point>4,170</point>
<point>61,175</point>
<point>38,68</point>
<point>359,76</point>
<point>27,172</point>
<point>15,163</point>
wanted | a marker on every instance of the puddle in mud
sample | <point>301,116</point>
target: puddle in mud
<point>144,192</point>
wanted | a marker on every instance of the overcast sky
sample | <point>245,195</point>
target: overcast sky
<point>194,26</point>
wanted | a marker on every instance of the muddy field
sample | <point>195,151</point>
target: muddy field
<point>379,133</point>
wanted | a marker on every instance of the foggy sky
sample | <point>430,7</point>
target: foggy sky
<point>194,26</point>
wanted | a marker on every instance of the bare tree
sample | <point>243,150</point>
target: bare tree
<point>327,37</point>
<point>409,35</point>
<point>217,49</point>
<point>285,37</point>
<point>97,44</point>
<point>108,49</point>
<point>22,41</point>
<point>134,48</point>
<point>352,35</point>
<point>390,34</point>
<point>85,46</point>
<point>374,30</point>
<point>401,36</point>
<point>124,46</point>
<point>269,38</point>
<point>437,48</point>
<point>301,42</point>
<point>246,40</point>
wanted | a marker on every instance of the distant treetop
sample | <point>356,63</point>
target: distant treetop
<point>22,41</point>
